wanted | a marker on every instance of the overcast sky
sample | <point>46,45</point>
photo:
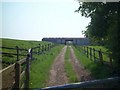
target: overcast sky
<point>47,18</point>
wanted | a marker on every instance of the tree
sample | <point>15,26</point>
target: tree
<point>104,25</point>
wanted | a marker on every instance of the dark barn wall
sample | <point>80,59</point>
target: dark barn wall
<point>76,41</point>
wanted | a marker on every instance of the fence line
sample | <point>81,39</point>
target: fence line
<point>96,55</point>
<point>40,47</point>
<point>19,51</point>
<point>21,74</point>
<point>12,48</point>
<point>22,66</point>
<point>12,54</point>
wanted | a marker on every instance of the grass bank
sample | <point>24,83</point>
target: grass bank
<point>97,70</point>
<point>39,71</point>
<point>68,67</point>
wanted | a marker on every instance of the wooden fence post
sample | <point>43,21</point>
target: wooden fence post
<point>87,53</point>
<point>17,75</point>
<point>45,47</point>
<point>39,49</point>
<point>100,56</point>
<point>17,53</point>
<point>51,45</point>
<point>84,49</point>
<point>42,48</point>
<point>27,73</point>
<point>94,54</point>
<point>31,53</point>
<point>90,53</point>
<point>48,46</point>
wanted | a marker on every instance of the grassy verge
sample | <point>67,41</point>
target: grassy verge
<point>68,67</point>
<point>39,73</point>
<point>97,70</point>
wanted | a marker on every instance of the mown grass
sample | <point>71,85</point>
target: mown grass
<point>68,67</point>
<point>8,59</point>
<point>39,71</point>
<point>98,71</point>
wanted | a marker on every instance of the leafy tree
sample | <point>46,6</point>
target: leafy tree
<point>103,27</point>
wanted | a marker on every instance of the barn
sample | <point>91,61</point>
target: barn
<point>76,41</point>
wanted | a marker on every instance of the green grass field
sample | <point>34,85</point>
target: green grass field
<point>97,70</point>
<point>8,59</point>
<point>39,72</point>
<point>99,47</point>
<point>21,43</point>
<point>103,49</point>
<point>68,67</point>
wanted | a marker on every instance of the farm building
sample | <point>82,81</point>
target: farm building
<point>76,41</point>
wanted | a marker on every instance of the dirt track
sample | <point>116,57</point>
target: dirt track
<point>58,74</point>
<point>81,73</point>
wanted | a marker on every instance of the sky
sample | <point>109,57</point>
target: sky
<point>34,20</point>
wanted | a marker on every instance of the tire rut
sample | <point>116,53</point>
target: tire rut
<point>57,73</point>
<point>81,73</point>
